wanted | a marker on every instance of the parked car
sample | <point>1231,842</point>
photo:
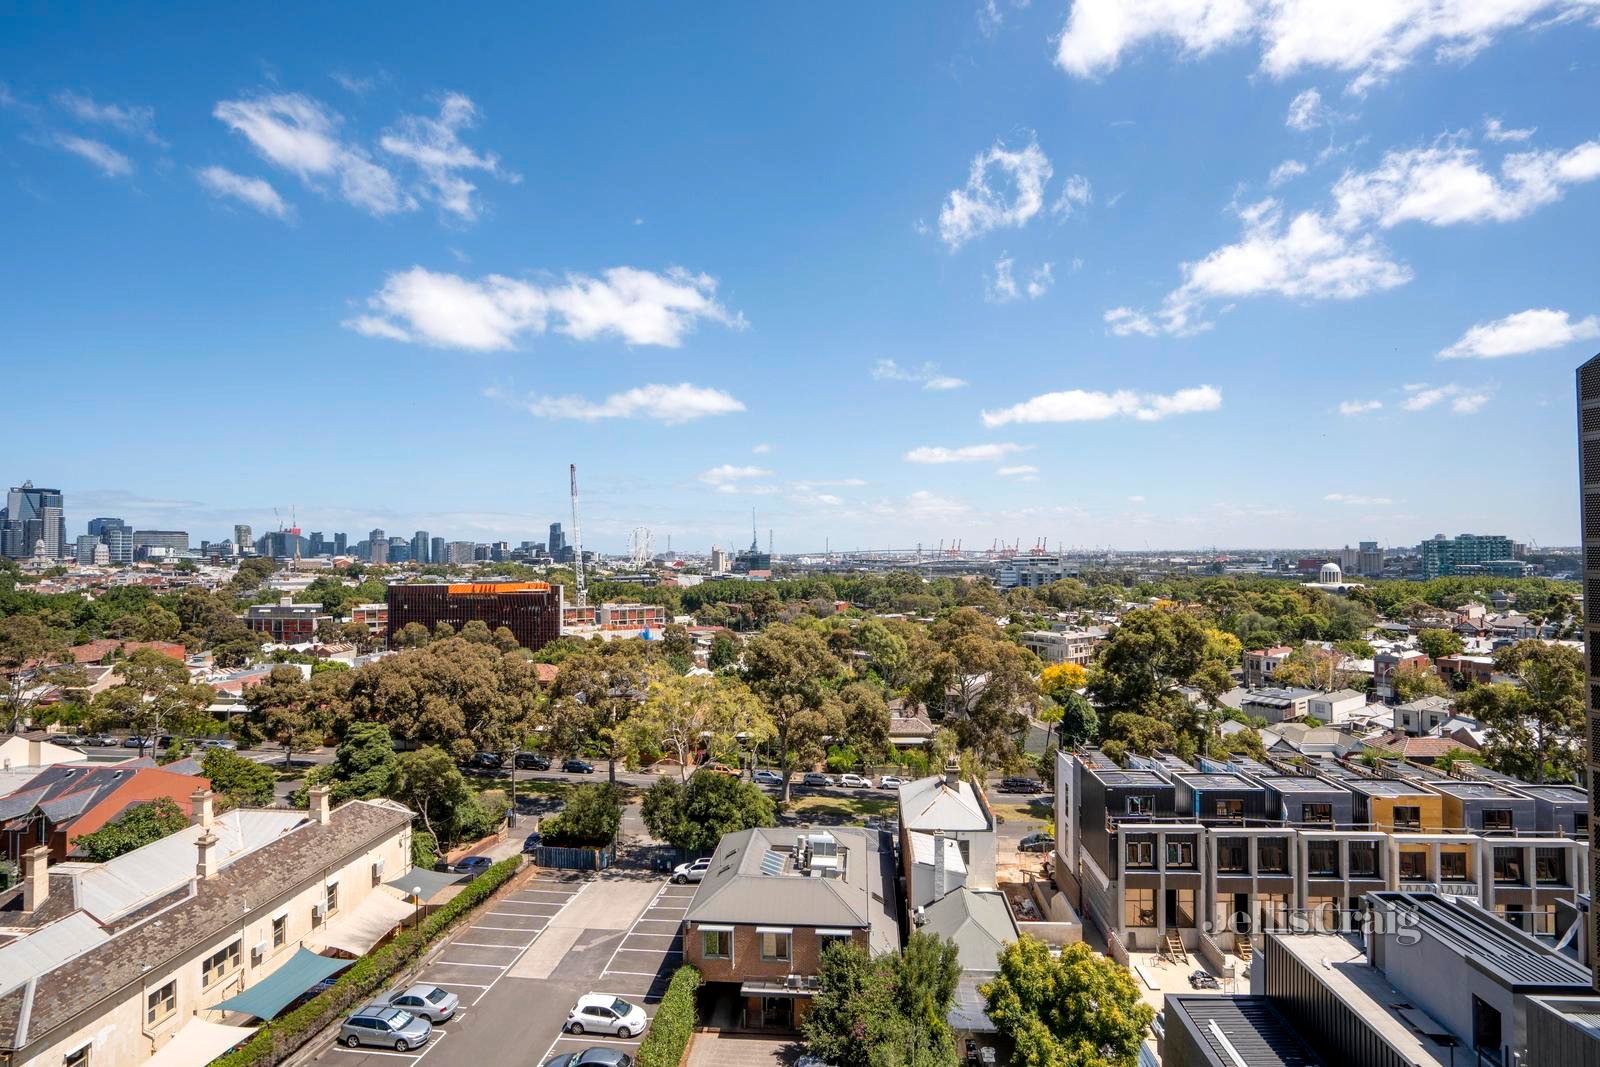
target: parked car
<point>577,766</point>
<point>817,778</point>
<point>592,1057</point>
<point>855,781</point>
<point>1021,785</point>
<point>766,777</point>
<point>212,743</point>
<point>532,761</point>
<point>473,865</point>
<point>602,1013</point>
<point>1037,842</point>
<point>428,1001</point>
<point>101,741</point>
<point>385,1027</point>
<point>69,740</point>
<point>533,841</point>
<point>135,741</point>
<point>891,781</point>
<point>691,872</point>
<point>485,761</point>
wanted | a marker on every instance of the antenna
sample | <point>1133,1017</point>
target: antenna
<point>769,544</point>
<point>755,538</point>
<point>577,542</point>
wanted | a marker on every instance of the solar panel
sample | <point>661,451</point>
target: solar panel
<point>772,863</point>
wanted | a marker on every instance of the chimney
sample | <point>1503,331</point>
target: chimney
<point>35,752</point>
<point>35,878</point>
<point>285,601</point>
<point>202,812</point>
<point>952,772</point>
<point>206,860</point>
<point>938,864</point>
<point>318,798</point>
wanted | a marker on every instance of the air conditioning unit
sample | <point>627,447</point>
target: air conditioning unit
<point>258,952</point>
<point>319,911</point>
<point>377,867</point>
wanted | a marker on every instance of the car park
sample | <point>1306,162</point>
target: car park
<point>592,1057</point>
<point>766,777</point>
<point>427,1001</point>
<point>577,766</point>
<point>532,761</point>
<point>1021,785</point>
<point>816,778</point>
<point>855,781</point>
<point>601,1013</point>
<point>1037,842</point>
<point>385,1027</point>
<point>891,781</point>
<point>691,872</point>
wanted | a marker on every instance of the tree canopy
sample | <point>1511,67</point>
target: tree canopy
<point>138,826</point>
<point>1076,1010</point>
<point>695,815</point>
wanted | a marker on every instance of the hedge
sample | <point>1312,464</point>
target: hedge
<point>674,1022</point>
<point>276,1040</point>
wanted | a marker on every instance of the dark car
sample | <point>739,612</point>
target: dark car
<point>1040,842</point>
<point>533,841</point>
<point>592,1057</point>
<point>532,761</point>
<point>471,865</point>
<point>1021,785</point>
<point>485,761</point>
<point>577,766</point>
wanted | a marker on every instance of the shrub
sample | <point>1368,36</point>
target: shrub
<point>276,1040</point>
<point>591,819</point>
<point>843,758</point>
<point>674,1022</point>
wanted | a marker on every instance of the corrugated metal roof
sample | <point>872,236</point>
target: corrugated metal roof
<point>46,948</point>
<point>979,923</point>
<point>933,804</point>
<point>1250,1027</point>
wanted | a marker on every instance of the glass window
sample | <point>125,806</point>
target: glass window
<point>77,1058</point>
<point>1497,818</point>
<point>1138,907</point>
<point>1363,859</point>
<point>775,946</point>
<point>824,940</point>
<point>1550,866</point>
<point>1508,866</point>
<point>1580,824</point>
<point>1322,859</point>
<point>1407,817</point>
<point>333,897</point>
<point>1228,809</point>
<point>1323,913</point>
<point>280,931</point>
<point>1317,813</point>
<point>1231,854</point>
<point>1413,866</point>
<point>1141,852</point>
<point>716,944</point>
<point>1272,855</point>
<point>1183,910</point>
<point>1142,804</point>
<point>1180,852</point>
<point>218,964</point>
<point>1452,866</point>
<point>160,1003</point>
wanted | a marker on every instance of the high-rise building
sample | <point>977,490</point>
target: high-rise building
<point>98,526</point>
<point>243,538</point>
<point>377,547</point>
<point>315,544</point>
<point>436,551</point>
<point>421,545</point>
<point>172,540</point>
<point>31,516</point>
<point>1588,390</point>
<point>399,550</point>
<point>530,610</point>
<point>459,552</point>
<point>341,544</point>
<point>500,551</point>
<point>1441,556</point>
<point>87,543</point>
<point>119,543</point>
<point>558,540</point>
<point>1369,563</point>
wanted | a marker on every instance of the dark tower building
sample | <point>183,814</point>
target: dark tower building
<point>530,610</point>
<point>1589,503</point>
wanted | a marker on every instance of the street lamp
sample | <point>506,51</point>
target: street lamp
<point>511,816</point>
<point>416,897</point>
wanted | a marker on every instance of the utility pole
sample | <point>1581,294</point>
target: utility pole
<point>577,542</point>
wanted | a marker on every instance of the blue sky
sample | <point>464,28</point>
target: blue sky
<point>1200,272</point>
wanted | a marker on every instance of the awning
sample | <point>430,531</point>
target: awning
<point>269,996</point>
<point>968,1013</point>
<point>430,882</point>
<point>363,926</point>
<point>197,1043</point>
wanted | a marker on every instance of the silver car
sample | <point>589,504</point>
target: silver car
<point>429,1001</point>
<point>385,1027</point>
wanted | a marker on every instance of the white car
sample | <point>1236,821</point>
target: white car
<point>891,781</point>
<point>691,872</point>
<point>601,1013</point>
<point>855,781</point>
<point>765,777</point>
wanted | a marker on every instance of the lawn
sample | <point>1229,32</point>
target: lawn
<point>842,809</point>
<point>1036,810</point>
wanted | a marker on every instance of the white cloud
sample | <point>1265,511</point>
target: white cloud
<point>448,311</point>
<point>133,120</point>
<point>1447,184</point>
<point>112,164</point>
<point>298,134</point>
<point>1041,280</point>
<point>1004,288</point>
<point>1076,193</point>
<point>1080,405</point>
<point>928,375</point>
<point>352,84</point>
<point>726,477</point>
<point>1493,130</point>
<point>1359,407</point>
<point>1288,170</point>
<point>1136,500</point>
<point>1019,469</point>
<point>433,145</point>
<point>1306,111</point>
<point>965,454</point>
<point>1463,401</point>
<point>761,449</point>
<point>1356,500</point>
<point>1125,322</point>
<point>1526,331</point>
<point>927,504</point>
<point>1370,41</point>
<point>671,404</point>
<point>981,206</point>
<point>252,191</point>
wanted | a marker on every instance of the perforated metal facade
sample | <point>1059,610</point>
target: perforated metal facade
<point>1588,389</point>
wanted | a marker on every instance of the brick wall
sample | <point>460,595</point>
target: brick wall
<point>747,964</point>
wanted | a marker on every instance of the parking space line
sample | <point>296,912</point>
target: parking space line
<point>362,1050</point>
<point>485,944</point>
<point>469,985</point>
<point>636,974</point>
<point>508,929</point>
<point>458,963</point>
<point>518,957</point>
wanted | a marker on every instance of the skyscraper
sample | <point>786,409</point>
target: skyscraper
<point>377,547</point>
<point>97,527</point>
<point>421,545</point>
<point>341,544</point>
<point>1588,390</point>
<point>244,541</point>
<point>558,540</point>
<point>315,544</point>
<point>436,551</point>
<point>30,516</point>
<point>119,543</point>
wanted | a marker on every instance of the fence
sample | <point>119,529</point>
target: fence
<point>573,859</point>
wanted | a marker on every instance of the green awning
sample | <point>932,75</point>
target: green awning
<point>268,997</point>
<point>429,882</point>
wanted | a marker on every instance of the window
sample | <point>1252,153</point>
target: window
<point>1139,907</point>
<point>1272,856</point>
<point>333,897</point>
<point>1180,852</point>
<point>1322,859</point>
<point>160,1003</point>
<point>1550,866</point>
<point>1580,824</point>
<point>1181,905</point>
<point>1323,913</point>
<point>1413,866</point>
<point>218,964</point>
<point>1141,852</point>
<point>716,944</point>
<point>77,1058</point>
<point>280,931</point>
<point>1497,818</point>
<point>774,946</point>
<point>1231,855</point>
<point>1228,809</point>
<point>1407,817</point>
<point>1317,813</point>
<point>830,938</point>
<point>1142,804</point>
<point>1508,866</point>
<point>1452,866</point>
<point>1363,859</point>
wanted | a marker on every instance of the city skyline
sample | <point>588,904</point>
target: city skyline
<point>1122,282</point>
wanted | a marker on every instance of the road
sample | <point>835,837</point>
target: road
<point>523,964</point>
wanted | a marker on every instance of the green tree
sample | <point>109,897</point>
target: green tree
<point>1075,1010</point>
<point>595,693</point>
<point>1080,723</point>
<point>33,657</point>
<point>889,1011</point>
<point>428,781</point>
<point>1440,643</point>
<point>293,711</point>
<point>591,819</point>
<point>866,720</point>
<point>1536,727</point>
<point>364,765</point>
<point>156,694</point>
<point>791,670</point>
<point>694,816</point>
<point>1412,681</point>
<point>682,713</point>
<point>244,782</point>
<point>724,653</point>
<point>136,827</point>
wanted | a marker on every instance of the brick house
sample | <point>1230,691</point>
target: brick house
<point>64,802</point>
